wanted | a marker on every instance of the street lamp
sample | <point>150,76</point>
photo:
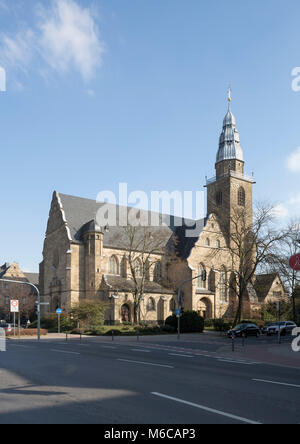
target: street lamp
<point>38,301</point>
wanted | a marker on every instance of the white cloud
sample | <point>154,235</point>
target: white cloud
<point>280,211</point>
<point>293,161</point>
<point>65,38</point>
<point>69,38</point>
<point>295,201</point>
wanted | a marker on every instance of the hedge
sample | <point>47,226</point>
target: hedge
<point>190,322</point>
<point>28,332</point>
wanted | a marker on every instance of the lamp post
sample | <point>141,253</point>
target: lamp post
<point>180,300</point>
<point>38,301</point>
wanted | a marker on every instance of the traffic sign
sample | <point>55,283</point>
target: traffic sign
<point>295,262</point>
<point>59,311</point>
<point>177,313</point>
<point>14,306</point>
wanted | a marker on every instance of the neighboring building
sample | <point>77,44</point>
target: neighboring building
<point>82,260</point>
<point>23,293</point>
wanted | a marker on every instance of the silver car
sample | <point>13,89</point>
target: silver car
<point>286,328</point>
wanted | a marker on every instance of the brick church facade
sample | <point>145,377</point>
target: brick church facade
<point>82,260</point>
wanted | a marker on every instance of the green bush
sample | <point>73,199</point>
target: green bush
<point>221,325</point>
<point>190,322</point>
<point>208,323</point>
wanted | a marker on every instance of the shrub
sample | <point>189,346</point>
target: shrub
<point>208,323</point>
<point>221,325</point>
<point>28,332</point>
<point>190,322</point>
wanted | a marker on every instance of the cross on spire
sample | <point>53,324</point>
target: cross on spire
<point>229,96</point>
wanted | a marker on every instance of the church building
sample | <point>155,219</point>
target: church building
<point>82,260</point>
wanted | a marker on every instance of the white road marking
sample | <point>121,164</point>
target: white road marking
<point>140,350</point>
<point>65,352</point>
<point>184,356</point>
<point>107,346</point>
<point>230,361</point>
<point>145,363</point>
<point>22,346</point>
<point>276,383</point>
<point>207,409</point>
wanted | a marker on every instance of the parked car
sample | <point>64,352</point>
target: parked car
<point>10,327</point>
<point>264,330</point>
<point>286,328</point>
<point>244,330</point>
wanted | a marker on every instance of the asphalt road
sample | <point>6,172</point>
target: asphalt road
<point>141,383</point>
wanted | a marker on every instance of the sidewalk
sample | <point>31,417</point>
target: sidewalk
<point>276,354</point>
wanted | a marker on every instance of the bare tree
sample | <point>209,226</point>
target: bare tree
<point>145,248</point>
<point>250,245</point>
<point>290,245</point>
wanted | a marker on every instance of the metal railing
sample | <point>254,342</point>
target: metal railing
<point>231,174</point>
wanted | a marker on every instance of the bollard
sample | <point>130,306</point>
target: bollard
<point>243,340</point>
<point>80,336</point>
<point>232,343</point>
<point>66,336</point>
<point>138,336</point>
<point>112,335</point>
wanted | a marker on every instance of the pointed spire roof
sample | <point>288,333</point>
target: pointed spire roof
<point>229,144</point>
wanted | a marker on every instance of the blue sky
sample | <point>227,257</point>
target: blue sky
<point>107,91</point>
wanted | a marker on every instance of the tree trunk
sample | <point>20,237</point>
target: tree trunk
<point>135,313</point>
<point>238,316</point>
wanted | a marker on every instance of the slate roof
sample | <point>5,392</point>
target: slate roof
<point>80,212</point>
<point>263,284</point>
<point>33,278</point>
<point>122,284</point>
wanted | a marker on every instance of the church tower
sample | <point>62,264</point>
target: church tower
<point>230,188</point>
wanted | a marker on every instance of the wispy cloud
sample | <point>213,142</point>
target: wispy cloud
<point>64,38</point>
<point>280,211</point>
<point>293,161</point>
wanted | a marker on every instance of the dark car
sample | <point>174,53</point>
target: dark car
<point>244,330</point>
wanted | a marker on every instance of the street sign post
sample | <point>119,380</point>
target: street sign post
<point>14,308</point>
<point>58,312</point>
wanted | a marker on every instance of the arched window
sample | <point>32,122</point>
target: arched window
<point>151,304</point>
<point>241,197</point>
<point>202,277</point>
<point>138,268</point>
<point>223,286</point>
<point>219,198</point>
<point>113,266</point>
<point>207,242</point>
<point>218,244</point>
<point>172,305</point>
<point>157,272</point>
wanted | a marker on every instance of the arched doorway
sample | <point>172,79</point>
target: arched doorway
<point>125,313</point>
<point>205,308</point>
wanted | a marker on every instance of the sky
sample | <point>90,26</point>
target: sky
<point>100,92</point>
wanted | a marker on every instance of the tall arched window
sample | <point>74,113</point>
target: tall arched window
<point>157,272</point>
<point>202,277</point>
<point>207,242</point>
<point>241,197</point>
<point>138,268</point>
<point>151,304</point>
<point>223,286</point>
<point>172,305</point>
<point>113,265</point>
<point>219,198</point>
